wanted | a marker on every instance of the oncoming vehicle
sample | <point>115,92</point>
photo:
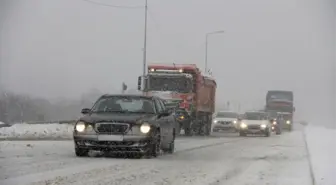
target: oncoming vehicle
<point>225,120</point>
<point>255,122</point>
<point>125,124</point>
<point>276,121</point>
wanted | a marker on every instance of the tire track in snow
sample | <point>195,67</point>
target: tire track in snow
<point>94,164</point>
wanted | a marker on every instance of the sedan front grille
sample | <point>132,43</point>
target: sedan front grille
<point>112,128</point>
<point>254,126</point>
<point>224,122</point>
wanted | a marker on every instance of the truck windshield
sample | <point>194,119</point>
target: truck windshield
<point>165,83</point>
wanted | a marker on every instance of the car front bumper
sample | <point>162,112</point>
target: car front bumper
<point>219,127</point>
<point>128,143</point>
<point>254,131</point>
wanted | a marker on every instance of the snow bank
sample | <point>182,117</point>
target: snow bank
<point>321,144</point>
<point>37,131</point>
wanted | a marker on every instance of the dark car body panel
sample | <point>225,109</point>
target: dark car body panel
<point>132,139</point>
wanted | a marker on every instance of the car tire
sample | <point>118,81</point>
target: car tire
<point>80,152</point>
<point>171,148</point>
<point>242,134</point>
<point>154,147</point>
<point>268,133</point>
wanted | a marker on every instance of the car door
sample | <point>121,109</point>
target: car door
<point>170,120</point>
<point>164,130</point>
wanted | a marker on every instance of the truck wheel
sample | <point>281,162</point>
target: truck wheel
<point>80,152</point>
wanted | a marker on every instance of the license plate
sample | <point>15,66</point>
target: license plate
<point>255,130</point>
<point>110,138</point>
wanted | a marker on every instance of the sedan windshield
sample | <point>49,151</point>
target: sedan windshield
<point>254,116</point>
<point>226,115</point>
<point>121,104</point>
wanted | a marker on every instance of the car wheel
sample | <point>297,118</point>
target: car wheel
<point>80,152</point>
<point>154,146</point>
<point>268,133</point>
<point>242,134</point>
<point>171,148</point>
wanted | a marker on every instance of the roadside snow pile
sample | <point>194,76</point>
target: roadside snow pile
<point>37,131</point>
<point>322,148</point>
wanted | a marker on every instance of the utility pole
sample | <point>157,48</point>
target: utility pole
<point>145,41</point>
<point>206,47</point>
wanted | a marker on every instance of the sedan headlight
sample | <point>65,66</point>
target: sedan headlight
<point>288,122</point>
<point>80,127</point>
<point>215,121</point>
<point>235,122</point>
<point>243,125</point>
<point>274,122</point>
<point>263,126</point>
<point>145,128</point>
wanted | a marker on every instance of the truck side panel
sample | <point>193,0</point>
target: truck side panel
<point>206,94</point>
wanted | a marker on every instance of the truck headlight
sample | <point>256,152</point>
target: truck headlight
<point>145,128</point>
<point>80,126</point>
<point>243,125</point>
<point>263,126</point>
<point>288,122</point>
<point>274,122</point>
<point>235,122</point>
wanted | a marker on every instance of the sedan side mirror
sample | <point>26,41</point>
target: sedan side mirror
<point>86,111</point>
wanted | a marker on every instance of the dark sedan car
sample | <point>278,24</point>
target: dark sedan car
<point>125,124</point>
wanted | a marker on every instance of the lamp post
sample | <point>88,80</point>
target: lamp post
<point>206,47</point>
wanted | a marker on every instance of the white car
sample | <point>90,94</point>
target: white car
<point>256,123</point>
<point>225,120</point>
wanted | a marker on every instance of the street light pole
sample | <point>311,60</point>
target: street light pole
<point>145,41</point>
<point>206,47</point>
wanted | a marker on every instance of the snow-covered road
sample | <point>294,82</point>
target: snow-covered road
<point>224,159</point>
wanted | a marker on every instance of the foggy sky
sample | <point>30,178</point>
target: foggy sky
<point>54,48</point>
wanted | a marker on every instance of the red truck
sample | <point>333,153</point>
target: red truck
<point>185,86</point>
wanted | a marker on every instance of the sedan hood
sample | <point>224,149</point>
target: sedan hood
<point>254,122</point>
<point>225,119</point>
<point>116,117</point>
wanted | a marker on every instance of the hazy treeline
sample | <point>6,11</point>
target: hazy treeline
<point>16,107</point>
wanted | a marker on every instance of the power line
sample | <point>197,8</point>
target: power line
<point>113,6</point>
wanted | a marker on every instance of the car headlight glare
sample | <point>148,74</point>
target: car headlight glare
<point>274,122</point>
<point>263,126</point>
<point>288,122</point>
<point>80,126</point>
<point>145,128</point>
<point>181,117</point>
<point>243,125</point>
<point>235,121</point>
<point>215,121</point>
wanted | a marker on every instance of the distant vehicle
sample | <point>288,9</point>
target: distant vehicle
<point>125,124</point>
<point>188,88</point>
<point>255,122</point>
<point>277,122</point>
<point>281,101</point>
<point>225,120</point>
<point>2,124</point>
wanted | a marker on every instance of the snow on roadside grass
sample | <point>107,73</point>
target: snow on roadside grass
<point>37,131</point>
<point>322,148</point>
